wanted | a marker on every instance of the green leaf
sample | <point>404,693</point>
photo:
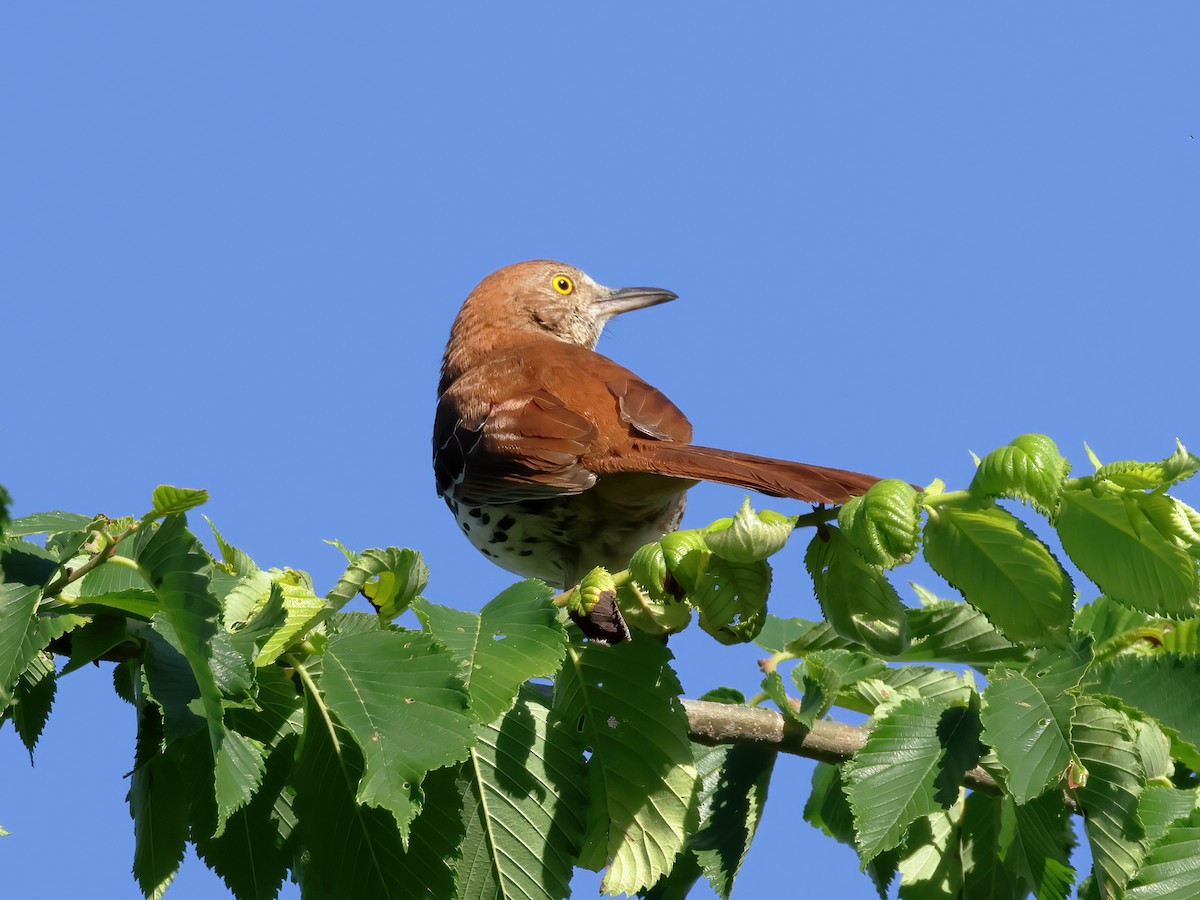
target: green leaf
<point>856,598</point>
<point>828,810</point>
<point>524,807</point>
<point>1166,686</point>
<point>515,637</point>
<point>1172,868</point>
<point>401,696</point>
<point>884,523</point>
<point>170,500</point>
<point>1105,620</point>
<point>24,563</point>
<point>1162,806</point>
<point>1040,845</point>
<point>239,770</point>
<point>891,781</point>
<point>302,609</point>
<point>1003,570</point>
<point>894,683</point>
<point>175,565</point>
<point>1109,799</point>
<point>1027,719</point>
<point>731,598</point>
<point>1029,469</point>
<point>390,578</point>
<point>1113,542</point>
<point>55,522</point>
<point>931,868</point>
<point>732,792</point>
<point>800,636</point>
<point>251,855</point>
<point>622,703</point>
<point>826,674</point>
<point>952,631</point>
<point>17,606</point>
<point>159,800</point>
<point>34,697</point>
<point>750,537</point>
<point>353,850</point>
<point>986,873</point>
<point>772,686</point>
<point>1135,475</point>
<point>238,561</point>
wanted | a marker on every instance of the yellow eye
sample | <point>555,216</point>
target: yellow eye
<point>563,284</point>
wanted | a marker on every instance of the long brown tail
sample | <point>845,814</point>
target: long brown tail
<point>776,477</point>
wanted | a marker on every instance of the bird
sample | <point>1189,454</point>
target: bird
<point>553,458</point>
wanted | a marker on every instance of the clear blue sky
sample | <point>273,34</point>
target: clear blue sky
<point>233,237</point>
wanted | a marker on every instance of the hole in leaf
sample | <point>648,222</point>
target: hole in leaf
<point>499,637</point>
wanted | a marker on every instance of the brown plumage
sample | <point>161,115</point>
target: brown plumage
<point>555,459</point>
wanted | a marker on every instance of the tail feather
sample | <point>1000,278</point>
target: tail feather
<point>775,477</point>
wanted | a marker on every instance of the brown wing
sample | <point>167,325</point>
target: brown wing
<point>516,450</point>
<point>649,411</point>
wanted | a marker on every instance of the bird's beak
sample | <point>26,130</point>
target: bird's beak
<point>622,300</point>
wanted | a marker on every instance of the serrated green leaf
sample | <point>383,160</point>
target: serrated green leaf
<point>895,683</point>
<point>23,563</point>
<point>931,868</point>
<point>1174,520</point>
<point>622,702</point>
<point>515,637</point>
<point>302,610</point>
<point>825,675</point>
<point>1161,806</point>
<point>54,522</point>
<point>856,598</point>
<point>175,564</point>
<point>402,698</point>
<point>1109,537</point>
<point>1115,781</point>
<point>772,686</point>
<point>1040,840</point>
<point>884,523</point>
<point>169,500</point>
<point>1135,475</point>
<point>959,730</point>
<point>1154,750</point>
<point>239,769</point>
<point>1029,469</point>
<point>159,801</point>
<point>94,640</point>
<point>391,578</point>
<point>140,603</point>
<point>828,810</point>
<point>523,822</point>
<point>954,632</point>
<point>34,696</point>
<point>800,636</point>
<point>1172,867</point>
<point>1003,570</point>
<point>251,855</point>
<point>168,679</point>
<point>732,791</point>
<point>750,536</point>
<point>17,606</point>
<point>1166,686</point>
<point>986,874</point>
<point>891,781</point>
<point>731,598</point>
<point>1027,719</point>
<point>354,850</point>
<point>238,561</point>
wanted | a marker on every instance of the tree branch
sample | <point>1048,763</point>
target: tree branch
<point>832,742</point>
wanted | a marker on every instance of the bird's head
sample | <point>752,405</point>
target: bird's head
<point>551,298</point>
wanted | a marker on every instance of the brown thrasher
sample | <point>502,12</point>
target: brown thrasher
<point>553,458</point>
